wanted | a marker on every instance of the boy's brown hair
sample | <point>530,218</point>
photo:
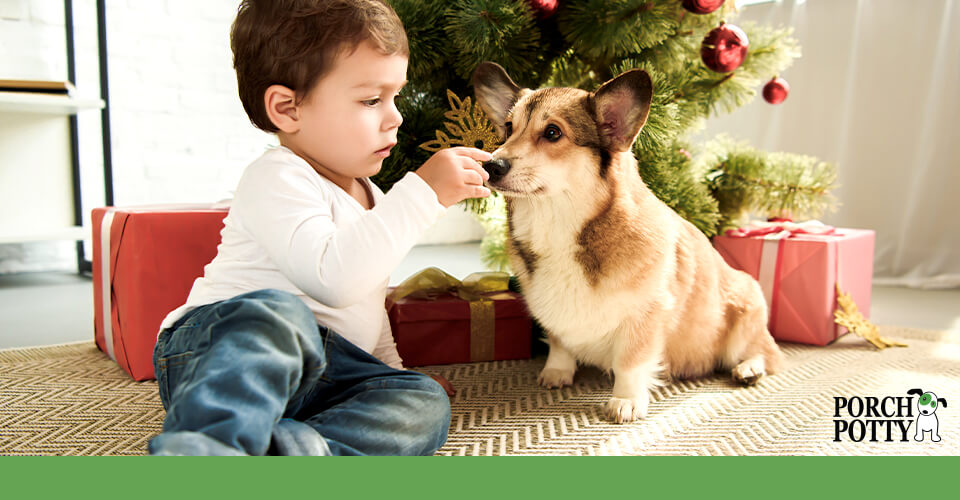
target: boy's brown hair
<point>295,42</point>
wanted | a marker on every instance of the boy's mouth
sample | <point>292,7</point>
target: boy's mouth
<point>385,152</point>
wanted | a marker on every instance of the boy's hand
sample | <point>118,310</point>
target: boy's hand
<point>447,386</point>
<point>455,174</point>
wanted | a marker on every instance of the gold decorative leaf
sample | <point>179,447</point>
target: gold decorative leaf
<point>468,126</point>
<point>454,129</point>
<point>847,314</point>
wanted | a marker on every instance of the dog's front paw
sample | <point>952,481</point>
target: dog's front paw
<point>553,377</point>
<point>623,410</point>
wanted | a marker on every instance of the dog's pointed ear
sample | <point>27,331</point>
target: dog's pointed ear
<point>495,92</point>
<point>918,392</point>
<point>943,402</point>
<point>622,106</point>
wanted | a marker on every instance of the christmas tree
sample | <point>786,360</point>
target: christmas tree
<point>701,64</point>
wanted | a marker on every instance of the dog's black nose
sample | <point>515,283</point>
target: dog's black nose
<point>497,168</point>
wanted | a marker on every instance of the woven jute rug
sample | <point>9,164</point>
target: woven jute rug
<point>72,400</point>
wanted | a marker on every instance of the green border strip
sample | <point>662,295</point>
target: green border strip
<point>437,477</point>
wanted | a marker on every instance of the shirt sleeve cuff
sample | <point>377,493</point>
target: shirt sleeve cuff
<point>423,190</point>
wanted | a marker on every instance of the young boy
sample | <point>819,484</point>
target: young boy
<point>283,346</point>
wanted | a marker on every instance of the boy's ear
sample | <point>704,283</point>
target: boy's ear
<point>496,93</point>
<point>622,106</point>
<point>281,105</point>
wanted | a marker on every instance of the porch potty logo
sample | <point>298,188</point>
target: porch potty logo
<point>887,419</point>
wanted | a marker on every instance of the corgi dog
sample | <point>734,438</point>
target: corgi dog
<point>617,278</point>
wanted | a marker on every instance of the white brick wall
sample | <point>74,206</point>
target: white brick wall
<point>179,133</point>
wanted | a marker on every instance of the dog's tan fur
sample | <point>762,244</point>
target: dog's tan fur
<point>616,277</point>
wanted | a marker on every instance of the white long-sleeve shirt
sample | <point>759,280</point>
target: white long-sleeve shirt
<point>291,229</point>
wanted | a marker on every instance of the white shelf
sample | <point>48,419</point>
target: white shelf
<point>75,233</point>
<point>54,104</point>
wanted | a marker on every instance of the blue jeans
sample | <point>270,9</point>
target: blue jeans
<point>256,375</point>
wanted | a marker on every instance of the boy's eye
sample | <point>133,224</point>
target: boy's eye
<point>552,133</point>
<point>509,128</point>
<point>371,102</point>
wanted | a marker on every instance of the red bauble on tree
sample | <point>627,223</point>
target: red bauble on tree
<point>776,90</point>
<point>724,48</point>
<point>544,8</point>
<point>702,6</point>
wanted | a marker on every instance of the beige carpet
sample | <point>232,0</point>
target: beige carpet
<point>72,400</point>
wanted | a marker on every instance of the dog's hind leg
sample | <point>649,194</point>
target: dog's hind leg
<point>559,368</point>
<point>750,370</point>
<point>750,348</point>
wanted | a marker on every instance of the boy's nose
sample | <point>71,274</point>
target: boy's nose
<point>497,168</point>
<point>394,119</point>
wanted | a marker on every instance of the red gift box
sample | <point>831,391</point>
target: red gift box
<point>145,260</point>
<point>446,329</point>
<point>799,272</point>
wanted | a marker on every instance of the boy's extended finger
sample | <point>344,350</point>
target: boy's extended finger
<point>478,168</point>
<point>474,178</point>
<point>474,153</point>
<point>480,192</point>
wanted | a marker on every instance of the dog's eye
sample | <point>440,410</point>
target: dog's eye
<point>552,133</point>
<point>509,128</point>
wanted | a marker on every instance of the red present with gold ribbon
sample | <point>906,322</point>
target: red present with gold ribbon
<point>437,319</point>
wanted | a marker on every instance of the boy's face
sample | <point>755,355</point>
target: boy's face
<point>349,120</point>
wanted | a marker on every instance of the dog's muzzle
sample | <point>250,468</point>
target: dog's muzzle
<point>497,168</point>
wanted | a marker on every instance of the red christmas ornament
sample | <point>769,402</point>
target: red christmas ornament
<point>702,6</point>
<point>776,90</point>
<point>544,8</point>
<point>724,48</point>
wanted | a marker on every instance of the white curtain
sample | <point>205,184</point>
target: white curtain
<point>877,92</point>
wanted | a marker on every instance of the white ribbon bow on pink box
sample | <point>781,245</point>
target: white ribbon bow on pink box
<point>780,228</point>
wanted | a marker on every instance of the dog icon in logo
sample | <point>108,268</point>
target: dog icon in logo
<point>927,419</point>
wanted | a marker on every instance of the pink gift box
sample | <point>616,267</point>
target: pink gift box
<point>799,275</point>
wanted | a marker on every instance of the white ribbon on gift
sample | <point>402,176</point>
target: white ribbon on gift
<point>105,226</point>
<point>769,263</point>
<point>105,279</point>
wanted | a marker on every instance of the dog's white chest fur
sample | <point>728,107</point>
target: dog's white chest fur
<point>584,318</point>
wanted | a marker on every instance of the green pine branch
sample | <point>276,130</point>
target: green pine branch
<point>747,181</point>
<point>670,174</point>
<point>493,30</point>
<point>603,30</point>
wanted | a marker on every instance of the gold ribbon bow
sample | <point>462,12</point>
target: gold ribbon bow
<point>479,289</point>
<point>432,282</point>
